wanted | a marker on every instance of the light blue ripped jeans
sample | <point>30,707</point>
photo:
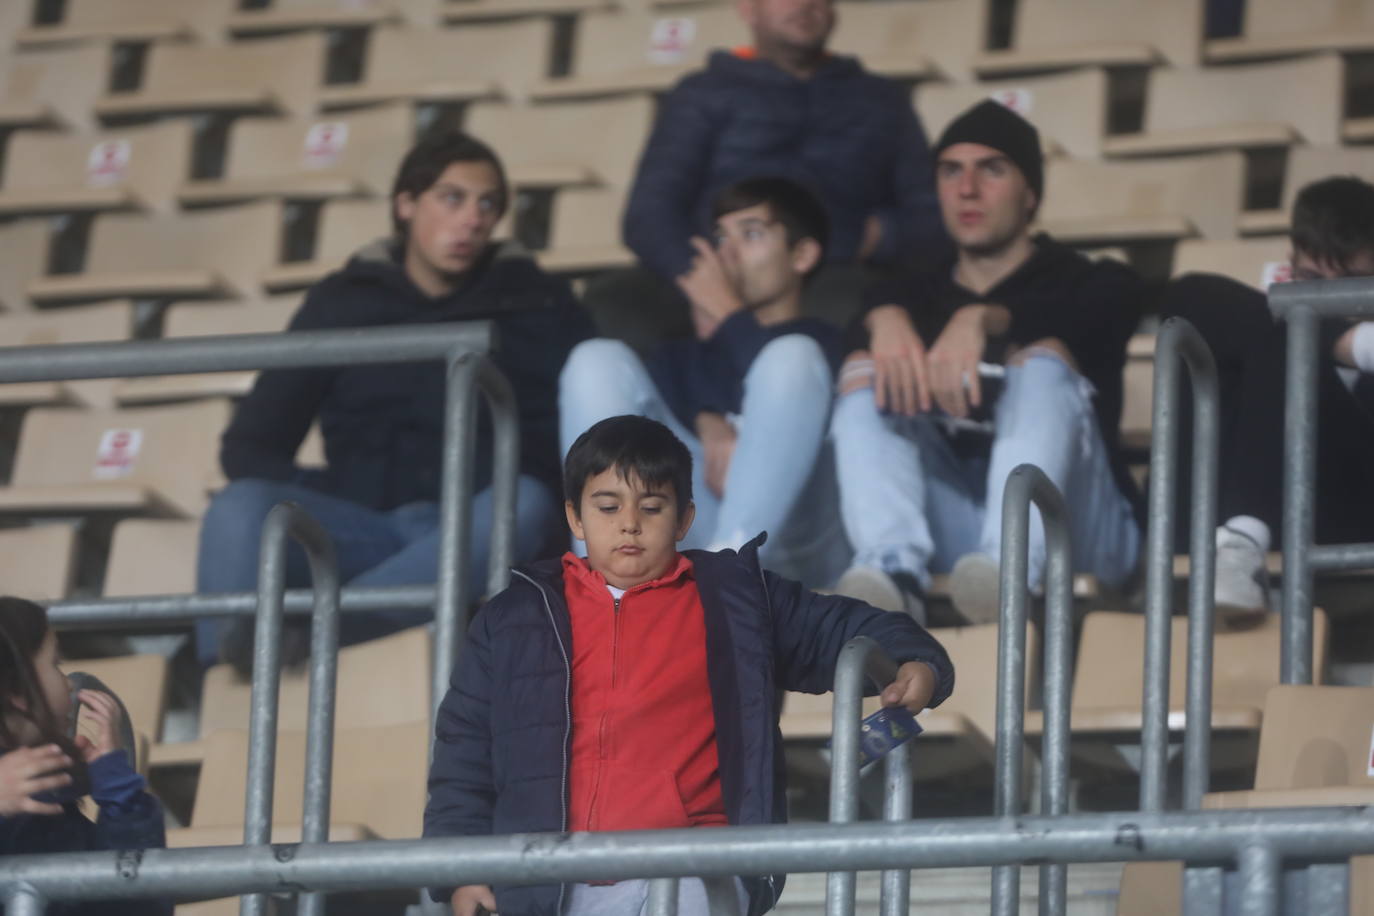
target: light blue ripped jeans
<point>781,477</point>
<point>911,503</point>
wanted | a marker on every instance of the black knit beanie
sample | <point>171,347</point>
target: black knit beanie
<point>994,125</point>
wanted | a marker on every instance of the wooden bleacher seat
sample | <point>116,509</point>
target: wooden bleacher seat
<point>131,21</point>
<point>273,76</point>
<point>598,142</point>
<point>1243,107</point>
<point>54,87</point>
<point>417,65</point>
<point>1306,164</point>
<point>465,11</point>
<point>1149,200</point>
<point>1064,34</point>
<point>1137,407</point>
<point>382,682</point>
<point>1314,750</point>
<point>1069,109</point>
<point>1108,677</point>
<point>205,320</point>
<point>1275,28</point>
<point>348,155</point>
<point>344,227</point>
<point>1254,262</point>
<point>301,15</point>
<point>149,461</point>
<point>106,321</point>
<point>23,258</point>
<point>909,41</point>
<point>584,232</point>
<point>37,562</point>
<point>135,541</point>
<point>137,168</point>
<point>213,253</point>
<point>141,683</point>
<point>640,50</point>
<point>958,738</point>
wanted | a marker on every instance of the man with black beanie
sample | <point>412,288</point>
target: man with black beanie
<point>1010,352</point>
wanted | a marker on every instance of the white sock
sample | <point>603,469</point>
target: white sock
<point>1252,528</point>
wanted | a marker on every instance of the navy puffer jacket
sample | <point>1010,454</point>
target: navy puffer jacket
<point>850,136</point>
<point>504,729</point>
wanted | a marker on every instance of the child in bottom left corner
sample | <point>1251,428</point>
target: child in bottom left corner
<point>43,772</point>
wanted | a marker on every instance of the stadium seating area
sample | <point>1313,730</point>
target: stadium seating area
<point>173,168</point>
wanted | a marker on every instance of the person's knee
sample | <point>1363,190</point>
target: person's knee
<point>1045,372</point>
<point>793,363</point>
<point>853,412</point>
<point>593,364</point>
<point>242,505</point>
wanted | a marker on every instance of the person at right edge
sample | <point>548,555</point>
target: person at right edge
<point>923,447</point>
<point>1332,237</point>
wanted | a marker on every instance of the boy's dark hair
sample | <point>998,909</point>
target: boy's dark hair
<point>426,161</point>
<point>632,445</point>
<point>800,212</point>
<point>1333,220</point>
<point>23,627</point>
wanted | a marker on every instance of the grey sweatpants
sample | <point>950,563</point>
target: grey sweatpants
<point>695,897</point>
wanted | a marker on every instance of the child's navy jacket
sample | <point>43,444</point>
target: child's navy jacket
<point>129,818</point>
<point>504,729</point>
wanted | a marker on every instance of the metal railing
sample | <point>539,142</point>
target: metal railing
<point>1027,484</point>
<point>1303,305</point>
<point>461,345</point>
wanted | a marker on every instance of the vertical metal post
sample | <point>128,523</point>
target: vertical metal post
<point>1328,889</point>
<point>662,897</point>
<point>895,897</point>
<point>859,656</point>
<point>1178,346</point>
<point>1260,881</point>
<point>1025,485</point>
<point>324,668</point>
<point>24,901</point>
<point>1204,890</point>
<point>468,371</point>
<point>1299,494</point>
<point>285,522</point>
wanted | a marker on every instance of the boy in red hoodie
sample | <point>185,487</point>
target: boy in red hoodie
<point>636,688</point>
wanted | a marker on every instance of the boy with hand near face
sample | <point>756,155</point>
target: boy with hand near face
<point>637,688</point>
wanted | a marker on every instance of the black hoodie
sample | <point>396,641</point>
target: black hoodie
<point>383,425</point>
<point>1092,306</point>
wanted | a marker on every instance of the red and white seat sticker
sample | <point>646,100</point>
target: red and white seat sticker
<point>117,453</point>
<point>671,39</point>
<point>108,163</point>
<point>324,144</point>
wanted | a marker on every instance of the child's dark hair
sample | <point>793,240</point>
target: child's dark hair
<point>632,445</point>
<point>799,211</point>
<point>426,161</point>
<point>1333,221</point>
<point>23,627</point>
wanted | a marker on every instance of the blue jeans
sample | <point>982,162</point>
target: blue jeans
<point>374,548</point>
<point>911,504</point>
<point>780,478</point>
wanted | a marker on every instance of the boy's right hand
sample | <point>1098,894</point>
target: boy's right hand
<point>26,772</point>
<point>472,900</point>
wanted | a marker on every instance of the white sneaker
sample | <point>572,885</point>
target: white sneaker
<point>975,587</point>
<point>874,587</point>
<point>1242,585</point>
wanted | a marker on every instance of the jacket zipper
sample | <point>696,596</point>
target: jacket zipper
<point>567,709</point>
<point>605,715</point>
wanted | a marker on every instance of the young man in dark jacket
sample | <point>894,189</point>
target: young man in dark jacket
<point>923,446</point>
<point>383,425</point>
<point>751,393</point>
<point>785,107</point>
<point>637,688</point>
<point>1333,237</point>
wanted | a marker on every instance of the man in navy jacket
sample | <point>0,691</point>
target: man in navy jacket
<point>786,107</point>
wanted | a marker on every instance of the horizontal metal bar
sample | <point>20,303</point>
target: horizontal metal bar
<point>1347,297</point>
<point>179,609</point>
<point>1296,834</point>
<point>293,350</point>
<point>1338,557</point>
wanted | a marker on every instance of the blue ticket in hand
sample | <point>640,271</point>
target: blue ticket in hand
<point>884,730</point>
